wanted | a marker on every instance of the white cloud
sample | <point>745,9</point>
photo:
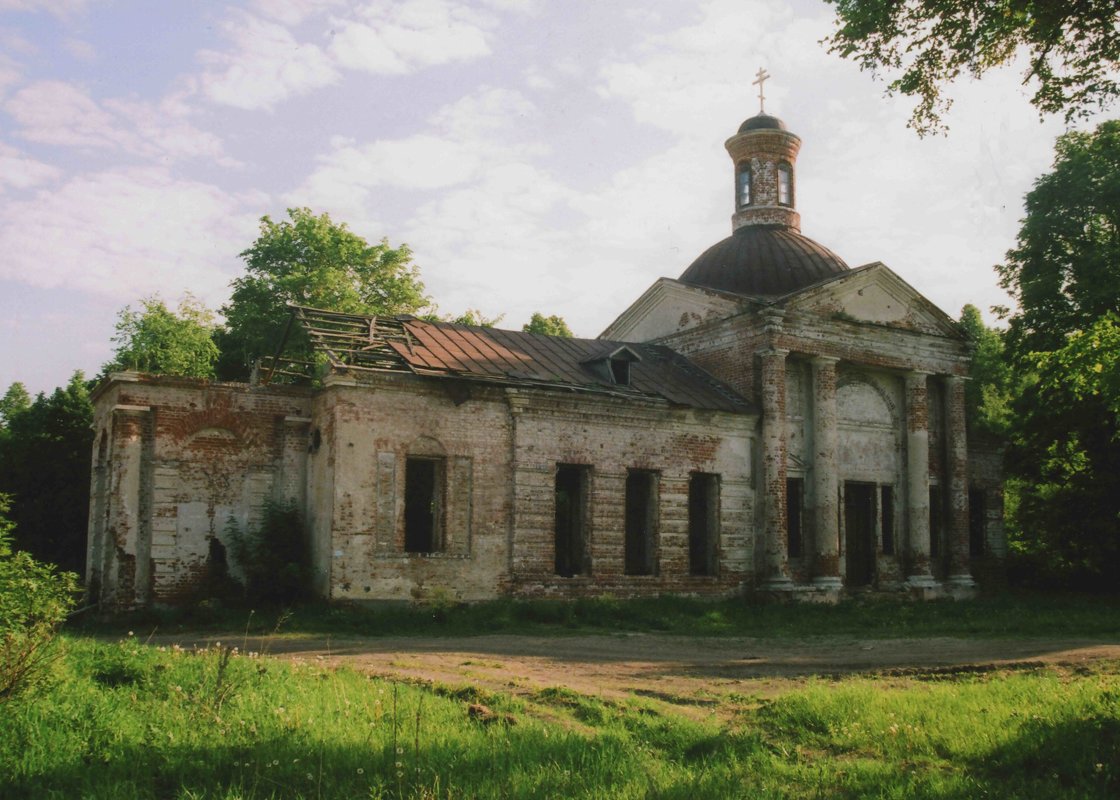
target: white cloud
<point>411,35</point>
<point>128,233</point>
<point>20,171</point>
<point>471,138</point>
<point>59,113</point>
<point>267,65</point>
<point>487,114</point>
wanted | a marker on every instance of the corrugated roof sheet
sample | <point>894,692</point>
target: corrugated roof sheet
<point>443,349</point>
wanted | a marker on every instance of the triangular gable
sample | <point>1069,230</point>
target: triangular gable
<point>873,293</point>
<point>669,307</point>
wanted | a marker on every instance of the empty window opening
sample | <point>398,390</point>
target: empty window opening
<point>886,508</point>
<point>620,371</point>
<point>743,195</point>
<point>795,504</point>
<point>977,522</point>
<point>641,522</point>
<point>785,185</point>
<point>703,523</point>
<point>571,520</point>
<point>936,518</point>
<point>423,505</point>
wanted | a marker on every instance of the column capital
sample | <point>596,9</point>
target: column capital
<point>774,351</point>
<point>824,361</point>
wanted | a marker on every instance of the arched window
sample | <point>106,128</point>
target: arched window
<point>785,184</point>
<point>743,186</point>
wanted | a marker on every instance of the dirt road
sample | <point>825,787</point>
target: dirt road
<point>688,672</point>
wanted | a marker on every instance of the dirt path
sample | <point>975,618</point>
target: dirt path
<point>691,673</point>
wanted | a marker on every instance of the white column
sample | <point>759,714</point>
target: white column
<point>917,481</point>
<point>826,535</point>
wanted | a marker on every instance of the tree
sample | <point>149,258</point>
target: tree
<point>1072,49</point>
<point>45,466</point>
<point>472,316</point>
<point>15,401</point>
<point>1065,270</point>
<point>310,260</point>
<point>1063,343</point>
<point>165,342</point>
<point>988,391</point>
<point>549,326</point>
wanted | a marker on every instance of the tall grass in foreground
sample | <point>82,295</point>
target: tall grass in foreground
<point>128,721</point>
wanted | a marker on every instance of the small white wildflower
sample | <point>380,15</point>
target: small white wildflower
<point>361,771</point>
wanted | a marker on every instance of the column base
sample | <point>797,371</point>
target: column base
<point>828,582</point>
<point>779,583</point>
<point>961,586</point>
<point>923,587</point>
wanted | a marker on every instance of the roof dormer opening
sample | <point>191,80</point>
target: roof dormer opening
<point>620,371</point>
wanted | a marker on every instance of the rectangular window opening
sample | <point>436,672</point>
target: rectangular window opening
<point>423,505</point>
<point>703,523</point>
<point>641,522</point>
<point>977,522</point>
<point>886,508</point>
<point>571,520</point>
<point>795,505</point>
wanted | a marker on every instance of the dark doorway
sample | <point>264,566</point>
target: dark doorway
<point>571,520</point>
<point>859,533</point>
<point>703,523</point>
<point>422,505</point>
<point>641,522</point>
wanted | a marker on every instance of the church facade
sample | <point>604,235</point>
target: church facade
<point>771,421</point>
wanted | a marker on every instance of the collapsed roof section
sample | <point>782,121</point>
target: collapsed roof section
<point>405,344</point>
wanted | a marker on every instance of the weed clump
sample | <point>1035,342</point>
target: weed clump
<point>34,601</point>
<point>274,556</point>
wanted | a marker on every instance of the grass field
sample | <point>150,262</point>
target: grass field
<point>126,720</point>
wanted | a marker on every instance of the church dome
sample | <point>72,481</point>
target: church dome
<point>761,122</point>
<point>763,260</point>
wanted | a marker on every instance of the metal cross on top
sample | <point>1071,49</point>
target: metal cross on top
<point>762,76</point>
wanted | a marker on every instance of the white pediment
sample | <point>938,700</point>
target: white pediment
<point>669,307</point>
<point>874,294</point>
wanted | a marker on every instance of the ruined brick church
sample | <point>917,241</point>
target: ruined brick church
<point>772,421</point>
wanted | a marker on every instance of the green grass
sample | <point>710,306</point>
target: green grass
<point>1008,615</point>
<point>129,721</point>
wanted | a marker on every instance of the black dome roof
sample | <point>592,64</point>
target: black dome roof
<point>762,122</point>
<point>763,260</point>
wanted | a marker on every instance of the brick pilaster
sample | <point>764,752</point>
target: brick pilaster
<point>775,554</point>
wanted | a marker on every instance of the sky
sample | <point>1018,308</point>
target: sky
<point>536,156</point>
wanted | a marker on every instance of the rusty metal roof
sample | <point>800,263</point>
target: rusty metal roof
<point>515,358</point>
<point>765,260</point>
